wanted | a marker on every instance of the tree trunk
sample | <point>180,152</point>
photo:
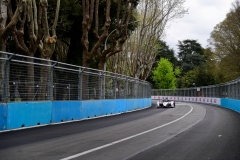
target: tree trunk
<point>7,29</point>
<point>2,74</point>
<point>47,47</point>
<point>101,64</point>
<point>44,84</point>
<point>30,78</point>
<point>3,19</point>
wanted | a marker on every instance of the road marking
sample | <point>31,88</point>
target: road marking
<point>125,139</point>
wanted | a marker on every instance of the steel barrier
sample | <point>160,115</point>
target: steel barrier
<point>26,78</point>
<point>229,90</point>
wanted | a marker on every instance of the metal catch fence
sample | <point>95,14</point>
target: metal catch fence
<point>26,78</point>
<point>225,90</point>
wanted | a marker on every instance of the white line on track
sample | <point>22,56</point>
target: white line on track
<point>124,139</point>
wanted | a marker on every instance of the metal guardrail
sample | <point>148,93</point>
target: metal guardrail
<point>225,90</point>
<point>26,78</point>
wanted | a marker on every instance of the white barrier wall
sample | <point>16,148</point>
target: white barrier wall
<point>207,100</point>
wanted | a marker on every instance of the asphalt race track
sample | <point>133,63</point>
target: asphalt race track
<point>191,131</point>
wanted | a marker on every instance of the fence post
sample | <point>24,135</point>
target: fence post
<point>50,85</point>
<point>80,84</point>
<point>125,88</point>
<point>100,84</point>
<point>115,87</point>
<point>139,89</point>
<point>6,78</point>
<point>238,88</point>
<point>132,88</point>
<point>4,81</point>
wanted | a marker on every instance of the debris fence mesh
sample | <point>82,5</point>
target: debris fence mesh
<point>225,90</point>
<point>26,78</point>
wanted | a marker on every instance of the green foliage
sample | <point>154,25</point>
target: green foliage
<point>188,80</point>
<point>201,76</point>
<point>164,75</point>
<point>68,29</point>
<point>205,74</point>
<point>69,10</point>
<point>225,40</point>
<point>177,71</point>
<point>191,55</point>
<point>163,52</point>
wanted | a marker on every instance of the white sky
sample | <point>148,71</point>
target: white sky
<point>202,17</point>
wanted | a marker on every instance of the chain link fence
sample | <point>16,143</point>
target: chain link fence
<point>26,78</point>
<point>225,90</point>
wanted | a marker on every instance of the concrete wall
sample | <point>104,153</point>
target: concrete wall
<point>232,104</point>
<point>3,116</point>
<point>207,100</point>
<point>16,115</point>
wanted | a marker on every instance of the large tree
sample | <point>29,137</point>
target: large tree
<point>206,74</point>
<point>7,25</point>
<point>7,22</point>
<point>163,52</point>
<point>33,32</point>
<point>164,75</point>
<point>34,19</point>
<point>141,48</point>
<point>225,39</point>
<point>91,26</point>
<point>200,76</point>
<point>191,55</point>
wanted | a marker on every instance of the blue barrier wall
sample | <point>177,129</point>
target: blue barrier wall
<point>66,111</point>
<point>26,114</point>
<point>3,116</point>
<point>129,104</point>
<point>108,107</point>
<point>231,104</point>
<point>147,102</point>
<point>16,115</point>
<point>121,105</point>
<point>91,109</point>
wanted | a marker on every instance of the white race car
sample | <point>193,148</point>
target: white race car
<point>165,103</point>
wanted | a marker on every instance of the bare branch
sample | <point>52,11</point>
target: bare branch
<point>56,19</point>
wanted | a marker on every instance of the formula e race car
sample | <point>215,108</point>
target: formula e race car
<point>165,104</point>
